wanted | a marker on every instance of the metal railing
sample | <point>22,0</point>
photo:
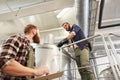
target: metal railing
<point>110,56</point>
<point>114,53</point>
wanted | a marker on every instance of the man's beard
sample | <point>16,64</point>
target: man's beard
<point>68,29</point>
<point>36,39</point>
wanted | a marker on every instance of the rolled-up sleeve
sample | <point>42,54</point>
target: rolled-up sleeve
<point>9,51</point>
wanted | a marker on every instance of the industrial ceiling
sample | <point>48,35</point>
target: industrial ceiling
<point>15,14</point>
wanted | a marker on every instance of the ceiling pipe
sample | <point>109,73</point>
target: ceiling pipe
<point>10,8</point>
<point>27,5</point>
<point>54,29</point>
<point>82,14</point>
<point>12,11</point>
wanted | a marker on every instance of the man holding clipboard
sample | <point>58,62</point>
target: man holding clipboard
<point>50,76</point>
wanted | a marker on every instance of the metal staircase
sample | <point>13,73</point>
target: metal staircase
<point>104,59</point>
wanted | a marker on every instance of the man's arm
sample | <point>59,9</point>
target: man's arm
<point>64,41</point>
<point>70,36</point>
<point>16,69</point>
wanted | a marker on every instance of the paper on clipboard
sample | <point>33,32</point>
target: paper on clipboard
<point>50,76</point>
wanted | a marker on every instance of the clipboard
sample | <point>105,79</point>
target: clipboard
<point>50,76</point>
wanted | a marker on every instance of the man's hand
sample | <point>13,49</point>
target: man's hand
<point>62,42</point>
<point>41,71</point>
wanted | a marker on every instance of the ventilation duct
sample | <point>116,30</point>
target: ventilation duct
<point>82,14</point>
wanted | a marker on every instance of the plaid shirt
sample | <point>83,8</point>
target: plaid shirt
<point>14,48</point>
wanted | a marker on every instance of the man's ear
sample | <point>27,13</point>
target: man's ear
<point>33,31</point>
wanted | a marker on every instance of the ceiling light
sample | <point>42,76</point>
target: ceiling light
<point>62,12</point>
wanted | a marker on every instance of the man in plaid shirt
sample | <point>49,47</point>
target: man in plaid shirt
<point>15,55</point>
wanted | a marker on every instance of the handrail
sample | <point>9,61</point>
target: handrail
<point>77,42</point>
<point>80,41</point>
<point>113,65</point>
<point>114,34</point>
<point>116,58</point>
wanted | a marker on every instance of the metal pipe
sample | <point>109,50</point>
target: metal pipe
<point>114,34</point>
<point>116,58</point>
<point>95,68</point>
<point>67,54</point>
<point>87,66</point>
<point>81,40</point>
<point>90,17</point>
<point>82,13</point>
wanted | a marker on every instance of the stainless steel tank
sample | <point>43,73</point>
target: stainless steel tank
<point>50,55</point>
